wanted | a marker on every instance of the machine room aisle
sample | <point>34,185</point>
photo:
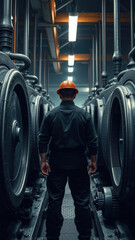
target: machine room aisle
<point>68,231</point>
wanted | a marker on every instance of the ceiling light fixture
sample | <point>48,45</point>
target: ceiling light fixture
<point>71,60</point>
<point>70,69</point>
<point>72,27</point>
<point>70,78</point>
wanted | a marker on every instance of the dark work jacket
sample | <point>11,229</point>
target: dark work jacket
<point>70,130</point>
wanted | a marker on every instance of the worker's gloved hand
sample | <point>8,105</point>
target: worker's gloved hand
<point>92,167</point>
<point>45,168</point>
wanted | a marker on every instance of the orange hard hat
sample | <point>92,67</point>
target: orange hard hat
<point>67,84</point>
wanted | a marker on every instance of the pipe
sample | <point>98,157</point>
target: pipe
<point>47,76</point>
<point>131,57</point>
<point>20,57</point>
<point>44,70</point>
<point>99,55</point>
<point>104,73</point>
<point>62,34</point>
<point>97,63</point>
<point>132,22</point>
<point>15,12</point>
<point>40,60</point>
<point>89,75</point>
<point>117,39</point>
<point>65,44</point>
<point>48,7</point>
<point>6,26</point>
<point>93,62</point>
<point>34,45</point>
<point>32,78</point>
<point>64,5</point>
<point>26,28</point>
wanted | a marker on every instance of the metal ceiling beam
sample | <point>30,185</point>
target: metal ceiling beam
<point>87,18</point>
<point>78,57</point>
<point>86,57</point>
<point>47,25</point>
<point>48,9</point>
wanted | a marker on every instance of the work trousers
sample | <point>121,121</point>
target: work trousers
<point>79,185</point>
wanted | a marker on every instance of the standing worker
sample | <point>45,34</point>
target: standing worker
<point>69,131</point>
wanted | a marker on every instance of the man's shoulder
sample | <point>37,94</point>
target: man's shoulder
<point>81,110</point>
<point>53,111</point>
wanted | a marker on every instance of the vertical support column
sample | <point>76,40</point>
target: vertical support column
<point>104,73</point>
<point>17,11</point>
<point>132,22</point>
<point>47,78</point>
<point>15,14</point>
<point>34,45</point>
<point>44,85</point>
<point>93,62</point>
<point>40,60</point>
<point>117,39</point>
<point>97,63</point>
<point>26,28</point>
<point>89,76</point>
<point>6,26</point>
<point>99,55</point>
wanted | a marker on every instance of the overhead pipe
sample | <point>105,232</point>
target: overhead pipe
<point>65,44</point>
<point>6,26</point>
<point>34,45</point>
<point>97,63</point>
<point>63,33</point>
<point>117,58</point>
<point>64,5</point>
<point>132,22</point>
<point>104,73</point>
<point>40,60</point>
<point>26,28</point>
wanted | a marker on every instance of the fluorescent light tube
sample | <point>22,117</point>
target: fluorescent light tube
<point>72,28</point>
<point>71,60</point>
<point>70,69</point>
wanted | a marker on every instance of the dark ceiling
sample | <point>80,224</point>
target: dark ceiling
<point>83,45</point>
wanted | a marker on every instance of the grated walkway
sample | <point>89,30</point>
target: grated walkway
<point>68,231</point>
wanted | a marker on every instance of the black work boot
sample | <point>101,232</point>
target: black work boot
<point>84,238</point>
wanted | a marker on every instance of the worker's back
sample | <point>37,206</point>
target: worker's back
<point>68,126</point>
